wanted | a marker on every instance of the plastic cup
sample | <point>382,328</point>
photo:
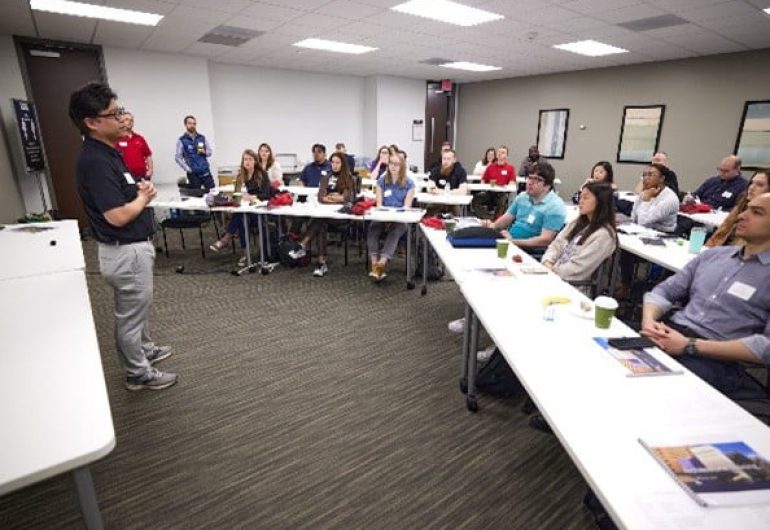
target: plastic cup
<point>237,198</point>
<point>502,247</point>
<point>449,225</point>
<point>697,238</point>
<point>605,308</point>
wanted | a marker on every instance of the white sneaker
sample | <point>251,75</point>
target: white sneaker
<point>321,270</point>
<point>297,254</point>
<point>483,356</point>
<point>457,326</point>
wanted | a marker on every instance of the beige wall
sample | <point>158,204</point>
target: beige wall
<point>704,100</point>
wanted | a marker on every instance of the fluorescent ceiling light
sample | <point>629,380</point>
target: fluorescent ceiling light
<point>590,48</point>
<point>79,9</point>
<point>471,67</point>
<point>446,11</point>
<point>767,11</point>
<point>334,46</point>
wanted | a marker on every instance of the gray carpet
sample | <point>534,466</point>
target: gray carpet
<point>307,403</point>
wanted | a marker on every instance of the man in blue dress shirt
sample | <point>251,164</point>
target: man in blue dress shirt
<point>726,317</point>
<point>722,191</point>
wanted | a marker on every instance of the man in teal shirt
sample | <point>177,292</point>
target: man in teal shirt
<point>535,217</point>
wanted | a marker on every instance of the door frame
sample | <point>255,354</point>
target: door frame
<point>451,126</point>
<point>19,43</point>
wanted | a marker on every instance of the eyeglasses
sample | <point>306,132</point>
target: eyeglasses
<point>536,178</point>
<point>118,114</point>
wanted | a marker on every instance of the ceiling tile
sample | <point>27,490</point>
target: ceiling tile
<point>720,11</point>
<point>271,12</point>
<point>257,24</point>
<point>228,6</point>
<point>347,9</point>
<point>629,13</point>
<point>146,6</point>
<point>17,19</point>
<point>122,35</point>
<point>51,26</point>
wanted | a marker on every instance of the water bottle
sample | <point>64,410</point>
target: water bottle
<point>446,188</point>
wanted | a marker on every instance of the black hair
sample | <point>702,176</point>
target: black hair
<point>188,117</point>
<point>322,147</point>
<point>607,167</point>
<point>89,101</point>
<point>664,172</point>
<point>544,170</point>
<point>604,216</point>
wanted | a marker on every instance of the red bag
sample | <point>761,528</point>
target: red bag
<point>433,222</point>
<point>281,199</point>
<point>695,208</point>
<point>361,207</point>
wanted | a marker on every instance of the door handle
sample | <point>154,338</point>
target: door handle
<point>432,131</point>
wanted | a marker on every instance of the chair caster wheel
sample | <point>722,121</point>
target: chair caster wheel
<point>463,385</point>
<point>264,271</point>
<point>471,403</point>
<point>424,290</point>
<point>410,285</point>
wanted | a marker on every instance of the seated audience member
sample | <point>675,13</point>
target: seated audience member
<point>488,158</point>
<point>532,157</point>
<point>725,234</point>
<point>722,191</point>
<point>395,190</point>
<point>601,172</point>
<point>269,165</point>
<point>336,188</point>
<point>587,241</point>
<point>313,172</point>
<point>379,166</point>
<point>535,217</point>
<point>350,160</point>
<point>661,157</point>
<point>450,173</point>
<point>256,181</point>
<point>725,320</point>
<point>501,172</point>
<point>657,205</point>
<point>436,163</point>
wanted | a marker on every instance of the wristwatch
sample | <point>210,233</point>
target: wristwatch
<point>691,348</point>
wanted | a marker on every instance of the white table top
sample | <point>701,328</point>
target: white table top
<point>597,412</point>
<point>713,219</point>
<point>673,256</point>
<point>444,198</point>
<point>28,253</point>
<point>54,409</point>
<point>480,186</point>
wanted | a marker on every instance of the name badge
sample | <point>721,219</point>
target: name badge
<point>531,218</point>
<point>727,194</point>
<point>323,173</point>
<point>742,290</point>
<point>201,145</point>
<point>504,172</point>
<point>388,193</point>
<point>129,178</point>
<point>442,182</point>
<point>123,144</point>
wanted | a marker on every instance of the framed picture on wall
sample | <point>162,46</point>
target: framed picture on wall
<point>753,143</point>
<point>640,133</point>
<point>552,132</point>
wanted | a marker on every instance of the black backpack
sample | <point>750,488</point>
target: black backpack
<point>436,267</point>
<point>286,245</point>
<point>497,379</point>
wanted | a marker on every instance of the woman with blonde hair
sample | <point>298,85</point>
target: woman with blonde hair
<point>725,234</point>
<point>394,190</point>
<point>269,165</point>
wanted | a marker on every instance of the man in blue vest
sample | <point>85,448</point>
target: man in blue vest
<point>192,152</point>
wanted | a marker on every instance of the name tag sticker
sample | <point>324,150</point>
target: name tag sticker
<point>129,178</point>
<point>742,291</point>
<point>200,144</point>
<point>442,182</point>
<point>531,218</point>
<point>727,194</point>
<point>323,173</point>
<point>504,172</point>
<point>123,144</point>
<point>388,193</point>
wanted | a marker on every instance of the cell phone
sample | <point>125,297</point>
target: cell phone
<point>652,241</point>
<point>630,343</point>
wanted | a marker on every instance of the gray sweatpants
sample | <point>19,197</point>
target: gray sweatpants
<point>394,233</point>
<point>128,270</point>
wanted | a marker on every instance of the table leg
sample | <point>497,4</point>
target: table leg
<point>249,265</point>
<point>409,269</point>
<point>470,399</point>
<point>87,495</point>
<point>465,350</point>
<point>425,244</point>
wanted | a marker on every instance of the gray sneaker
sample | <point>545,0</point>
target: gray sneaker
<point>159,353</point>
<point>153,379</point>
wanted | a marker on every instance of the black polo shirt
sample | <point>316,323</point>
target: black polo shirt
<point>105,183</point>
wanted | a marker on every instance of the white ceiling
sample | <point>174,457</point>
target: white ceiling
<point>520,44</point>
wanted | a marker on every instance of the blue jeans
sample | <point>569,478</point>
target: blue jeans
<point>201,181</point>
<point>235,226</point>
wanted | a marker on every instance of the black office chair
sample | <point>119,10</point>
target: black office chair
<point>184,220</point>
